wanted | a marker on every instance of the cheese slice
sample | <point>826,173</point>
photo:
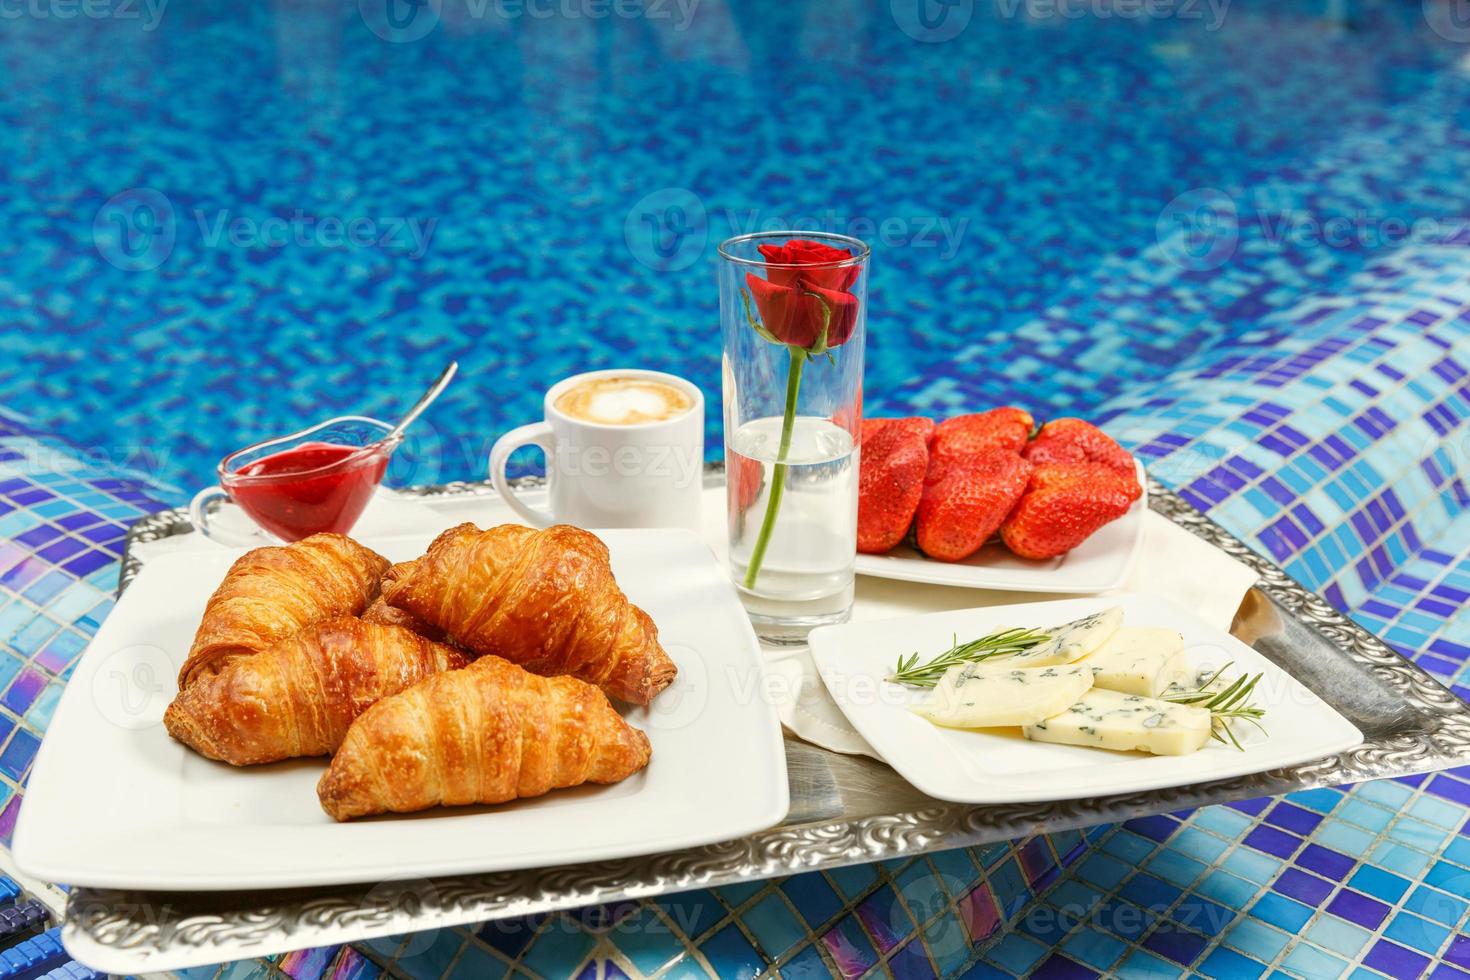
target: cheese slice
<point>1139,660</point>
<point>993,695</point>
<point>1124,723</point>
<point>1193,680</point>
<point>1070,641</point>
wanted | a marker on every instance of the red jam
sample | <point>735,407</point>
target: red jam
<point>308,489</point>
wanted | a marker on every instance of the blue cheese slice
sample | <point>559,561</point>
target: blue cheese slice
<point>995,695</point>
<point>1139,660</point>
<point>1069,642</point>
<point>1194,680</point>
<point>1124,723</point>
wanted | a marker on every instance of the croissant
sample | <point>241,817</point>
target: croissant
<point>485,734</point>
<point>381,612</point>
<point>272,593</point>
<point>545,600</point>
<point>299,697</point>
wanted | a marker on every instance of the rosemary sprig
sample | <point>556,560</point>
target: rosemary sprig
<point>1003,643</point>
<point>1228,704</point>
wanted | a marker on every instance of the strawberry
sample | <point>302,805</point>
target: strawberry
<point>1063,505</point>
<point>895,457</point>
<point>1051,474</point>
<point>1077,441</point>
<point>967,499</point>
<point>999,428</point>
<point>745,477</point>
<point>924,427</point>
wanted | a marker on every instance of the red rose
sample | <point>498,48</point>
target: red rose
<point>805,291</point>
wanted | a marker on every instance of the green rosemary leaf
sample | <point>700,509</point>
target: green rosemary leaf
<point>1226,705</point>
<point>1003,643</point>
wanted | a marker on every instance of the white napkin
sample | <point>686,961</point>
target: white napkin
<point>1171,561</point>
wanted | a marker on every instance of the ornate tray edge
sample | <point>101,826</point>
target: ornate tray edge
<point>138,931</point>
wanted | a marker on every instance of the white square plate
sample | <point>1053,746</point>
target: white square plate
<point>999,765</point>
<point>114,802</point>
<point>1099,564</point>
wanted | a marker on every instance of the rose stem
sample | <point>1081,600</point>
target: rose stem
<point>778,477</point>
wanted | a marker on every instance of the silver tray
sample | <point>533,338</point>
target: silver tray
<point>844,809</point>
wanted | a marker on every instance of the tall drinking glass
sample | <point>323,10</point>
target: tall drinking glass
<point>793,312</point>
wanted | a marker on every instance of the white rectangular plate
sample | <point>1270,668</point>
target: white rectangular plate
<point>1099,564</point>
<point>1001,766</point>
<point>114,802</point>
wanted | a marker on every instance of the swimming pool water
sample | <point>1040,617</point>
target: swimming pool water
<point>222,221</point>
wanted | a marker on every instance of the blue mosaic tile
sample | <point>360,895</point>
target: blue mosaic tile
<point>649,942</point>
<point>806,965</point>
<point>775,925</point>
<point>815,900</point>
<point>731,954</point>
<point>692,913</point>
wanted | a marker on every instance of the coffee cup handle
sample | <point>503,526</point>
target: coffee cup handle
<point>535,434</point>
<point>199,517</point>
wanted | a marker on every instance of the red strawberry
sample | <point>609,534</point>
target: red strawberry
<point>999,428</point>
<point>895,458</point>
<point>744,477</point>
<point>967,500</point>
<point>1064,504</point>
<point>1051,474</point>
<point>1077,441</point>
<point>924,427</point>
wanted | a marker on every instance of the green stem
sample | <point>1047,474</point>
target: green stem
<point>778,475</point>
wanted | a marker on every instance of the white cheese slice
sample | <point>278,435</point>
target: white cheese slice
<point>993,695</point>
<point>1196,679</point>
<point>1124,723</point>
<point>1070,641</point>
<point>1139,660</point>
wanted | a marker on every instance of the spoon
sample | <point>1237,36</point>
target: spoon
<point>435,390</point>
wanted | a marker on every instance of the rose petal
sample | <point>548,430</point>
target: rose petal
<point>844,307</point>
<point>779,256</point>
<point>792,316</point>
<point>807,253</point>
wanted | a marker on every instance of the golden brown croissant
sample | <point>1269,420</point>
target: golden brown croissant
<point>545,600</point>
<point>485,734</point>
<point>272,593</point>
<point>299,697</point>
<point>381,612</point>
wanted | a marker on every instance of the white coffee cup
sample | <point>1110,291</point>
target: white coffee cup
<point>600,474</point>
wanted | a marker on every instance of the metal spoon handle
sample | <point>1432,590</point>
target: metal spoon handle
<point>434,391</point>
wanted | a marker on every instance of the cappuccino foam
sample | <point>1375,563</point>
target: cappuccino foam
<point>623,401</point>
